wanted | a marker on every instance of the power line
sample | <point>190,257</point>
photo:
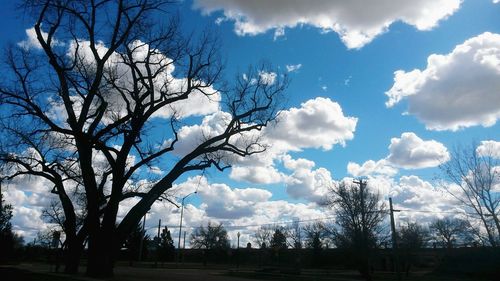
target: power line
<point>252,225</point>
<point>228,226</point>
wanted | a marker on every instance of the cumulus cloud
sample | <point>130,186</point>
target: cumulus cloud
<point>407,152</point>
<point>355,23</point>
<point>411,152</point>
<point>28,196</point>
<point>292,132</point>
<point>318,123</point>
<point>457,90</point>
<point>489,148</point>
<point>239,209</point>
<point>256,174</point>
<point>370,167</point>
<point>223,202</point>
<point>306,182</point>
<point>413,193</point>
<point>31,42</point>
<point>164,81</point>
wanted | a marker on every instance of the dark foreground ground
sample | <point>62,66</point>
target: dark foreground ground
<point>43,272</point>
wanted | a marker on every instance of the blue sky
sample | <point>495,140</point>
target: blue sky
<point>334,68</point>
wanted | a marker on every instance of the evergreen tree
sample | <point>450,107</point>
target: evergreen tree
<point>9,241</point>
<point>278,241</point>
<point>166,246</point>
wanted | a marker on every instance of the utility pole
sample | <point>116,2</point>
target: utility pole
<point>183,246</point>
<point>362,185</point>
<point>1,194</point>
<point>364,235</point>
<point>394,239</point>
<point>142,237</point>
<point>180,223</point>
<point>159,226</point>
<point>158,241</point>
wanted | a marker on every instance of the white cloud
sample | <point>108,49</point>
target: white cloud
<point>223,202</point>
<point>411,152</point>
<point>457,90</point>
<point>191,136</point>
<point>356,22</point>
<point>267,78</point>
<point>279,32</point>
<point>293,67</point>
<point>489,148</point>
<point>164,80</point>
<point>306,182</point>
<point>28,197</point>
<point>370,167</point>
<point>31,42</point>
<point>256,174</point>
<point>416,194</point>
<point>319,122</point>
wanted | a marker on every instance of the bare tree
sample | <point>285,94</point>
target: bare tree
<point>315,234</point>
<point>294,235</point>
<point>210,237</point>
<point>263,236</point>
<point>82,102</point>
<point>473,175</point>
<point>359,213</point>
<point>451,231</point>
<point>412,237</point>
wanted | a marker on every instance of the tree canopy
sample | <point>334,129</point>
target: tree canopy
<point>100,96</point>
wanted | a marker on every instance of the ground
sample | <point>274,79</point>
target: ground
<point>44,272</point>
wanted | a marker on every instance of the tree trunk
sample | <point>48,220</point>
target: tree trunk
<point>101,256</point>
<point>72,257</point>
<point>491,238</point>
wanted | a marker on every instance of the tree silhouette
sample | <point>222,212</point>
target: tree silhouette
<point>278,240</point>
<point>412,237</point>
<point>135,240</point>
<point>81,107</point>
<point>451,231</point>
<point>210,237</point>
<point>474,176</point>
<point>315,233</point>
<point>263,236</point>
<point>6,235</point>
<point>166,246</point>
<point>359,213</point>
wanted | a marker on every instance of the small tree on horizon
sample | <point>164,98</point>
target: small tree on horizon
<point>315,233</point>
<point>359,214</point>
<point>278,240</point>
<point>412,238</point>
<point>263,236</point>
<point>134,241</point>
<point>210,237</point>
<point>450,232</point>
<point>166,246</point>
